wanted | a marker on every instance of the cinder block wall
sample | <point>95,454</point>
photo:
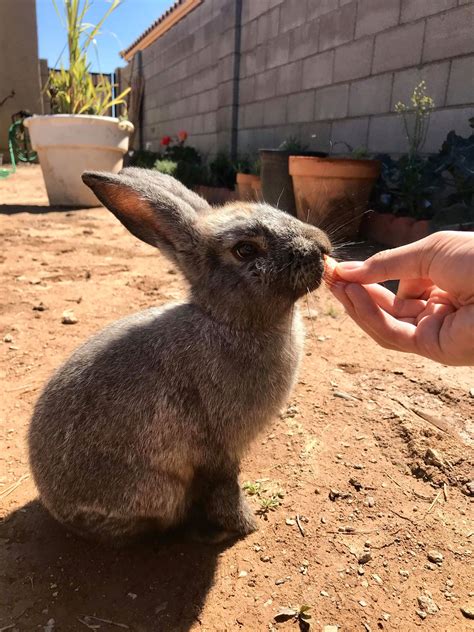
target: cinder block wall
<point>323,70</point>
<point>187,73</point>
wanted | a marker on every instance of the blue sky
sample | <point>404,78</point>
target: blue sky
<point>122,27</point>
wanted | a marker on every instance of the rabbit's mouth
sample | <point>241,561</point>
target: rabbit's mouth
<point>307,277</point>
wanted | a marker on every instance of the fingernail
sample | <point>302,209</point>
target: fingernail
<point>350,265</point>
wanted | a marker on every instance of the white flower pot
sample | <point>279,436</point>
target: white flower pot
<point>69,144</point>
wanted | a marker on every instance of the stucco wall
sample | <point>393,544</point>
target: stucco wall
<point>323,70</point>
<point>19,65</point>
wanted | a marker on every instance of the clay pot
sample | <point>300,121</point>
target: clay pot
<point>277,185</point>
<point>257,188</point>
<point>333,193</point>
<point>420,229</point>
<point>216,195</point>
<point>400,231</point>
<point>374,225</point>
<point>244,187</point>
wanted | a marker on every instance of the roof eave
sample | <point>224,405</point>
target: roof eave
<point>160,26</point>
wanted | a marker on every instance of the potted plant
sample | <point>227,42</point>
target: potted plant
<point>412,188</point>
<point>184,160</point>
<point>333,192</point>
<point>277,184</point>
<point>248,182</point>
<point>78,135</point>
<point>218,184</point>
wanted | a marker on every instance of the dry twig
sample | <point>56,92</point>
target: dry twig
<point>299,525</point>
<point>433,503</point>
<point>11,488</point>
<point>89,625</point>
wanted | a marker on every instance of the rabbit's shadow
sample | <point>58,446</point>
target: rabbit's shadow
<point>158,584</point>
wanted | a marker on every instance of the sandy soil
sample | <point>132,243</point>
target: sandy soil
<point>372,457</point>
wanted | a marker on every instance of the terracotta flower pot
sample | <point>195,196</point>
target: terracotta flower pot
<point>378,227</point>
<point>216,195</point>
<point>333,192</point>
<point>244,187</point>
<point>257,188</point>
<point>277,185</point>
<point>420,229</point>
<point>400,231</point>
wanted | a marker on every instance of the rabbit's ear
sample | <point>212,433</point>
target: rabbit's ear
<point>154,207</point>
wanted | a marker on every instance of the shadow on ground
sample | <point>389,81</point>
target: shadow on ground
<point>50,574</point>
<point>34,209</point>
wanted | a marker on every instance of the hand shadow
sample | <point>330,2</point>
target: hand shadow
<point>159,584</point>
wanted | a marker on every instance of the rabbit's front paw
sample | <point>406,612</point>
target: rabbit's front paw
<point>244,520</point>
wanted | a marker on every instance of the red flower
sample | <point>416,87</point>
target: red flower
<point>166,140</point>
<point>182,135</point>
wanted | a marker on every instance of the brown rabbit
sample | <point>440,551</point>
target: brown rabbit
<point>146,423</point>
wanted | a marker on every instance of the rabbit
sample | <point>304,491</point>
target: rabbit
<point>144,426</point>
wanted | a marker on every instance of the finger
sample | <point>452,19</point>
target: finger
<point>398,307</point>
<point>415,288</point>
<point>340,292</point>
<point>392,331</point>
<point>407,262</point>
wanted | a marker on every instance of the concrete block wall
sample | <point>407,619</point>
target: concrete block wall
<point>322,70</point>
<point>333,70</point>
<point>187,75</point>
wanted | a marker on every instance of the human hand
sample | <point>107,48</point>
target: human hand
<point>432,313</point>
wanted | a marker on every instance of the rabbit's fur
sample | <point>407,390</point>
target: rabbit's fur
<point>146,423</point>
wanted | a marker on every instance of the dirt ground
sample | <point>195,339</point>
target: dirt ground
<point>372,530</point>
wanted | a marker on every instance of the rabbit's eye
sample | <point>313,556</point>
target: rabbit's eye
<point>245,250</point>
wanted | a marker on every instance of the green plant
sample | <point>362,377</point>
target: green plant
<point>356,153</point>
<point>73,91</point>
<point>416,118</point>
<point>268,500</point>
<point>300,614</point>
<point>144,158</point>
<point>169,167</point>
<point>246,164</point>
<point>189,169</point>
<point>411,185</point>
<point>252,488</point>
<point>222,171</point>
<point>292,144</point>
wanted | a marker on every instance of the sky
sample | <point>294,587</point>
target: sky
<point>123,26</point>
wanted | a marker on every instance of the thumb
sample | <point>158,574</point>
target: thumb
<point>407,262</point>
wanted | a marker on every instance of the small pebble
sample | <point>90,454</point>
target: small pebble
<point>404,573</point>
<point>370,501</point>
<point>131,595</point>
<point>290,522</point>
<point>421,613</point>
<point>363,603</point>
<point>364,583</point>
<point>426,603</point>
<point>469,488</point>
<point>365,557</point>
<point>323,593</point>
<point>468,610</point>
<point>68,317</point>
<point>8,338</point>
<point>435,556</point>
<point>243,574</point>
<point>265,558</point>
<point>278,582</point>
<point>377,579</point>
